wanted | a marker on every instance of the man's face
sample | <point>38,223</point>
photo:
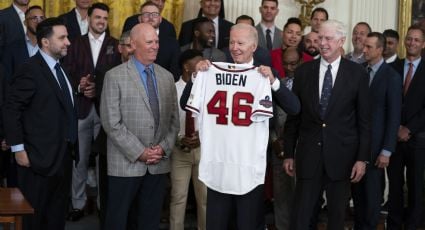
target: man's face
<point>98,21</point>
<point>125,49</point>
<point>290,61</point>
<point>391,47</point>
<point>57,44</point>
<point>190,65</point>
<point>32,19</point>
<point>146,45</point>
<point>317,19</point>
<point>83,4</point>
<point>160,4</point>
<point>311,43</point>
<point>210,8</point>
<point>151,15</point>
<point>268,11</point>
<point>291,35</point>
<point>359,36</point>
<point>414,42</point>
<point>372,53</point>
<point>241,45</point>
<point>206,34</point>
<point>330,43</point>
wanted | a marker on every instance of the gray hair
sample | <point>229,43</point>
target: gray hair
<point>252,31</point>
<point>339,27</point>
<point>125,35</point>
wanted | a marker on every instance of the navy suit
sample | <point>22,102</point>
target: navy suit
<point>14,55</point>
<point>186,33</point>
<point>11,28</point>
<point>168,54</point>
<point>261,56</point>
<point>385,97</point>
<point>166,27</point>
<point>409,155</point>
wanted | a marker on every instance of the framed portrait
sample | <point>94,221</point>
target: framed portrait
<point>410,12</point>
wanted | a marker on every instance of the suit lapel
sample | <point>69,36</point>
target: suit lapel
<point>377,77</point>
<point>338,87</point>
<point>416,79</point>
<point>135,77</point>
<point>315,87</point>
<point>87,49</point>
<point>161,91</point>
<point>103,53</point>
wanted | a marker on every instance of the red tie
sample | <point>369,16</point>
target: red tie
<point>190,125</point>
<point>408,78</point>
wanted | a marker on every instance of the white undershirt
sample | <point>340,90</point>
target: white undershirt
<point>95,45</point>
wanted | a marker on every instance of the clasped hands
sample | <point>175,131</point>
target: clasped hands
<point>87,86</point>
<point>152,155</point>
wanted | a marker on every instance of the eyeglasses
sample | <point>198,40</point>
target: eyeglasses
<point>150,14</point>
<point>37,18</point>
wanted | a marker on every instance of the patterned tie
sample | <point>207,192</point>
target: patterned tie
<point>72,133</point>
<point>269,39</point>
<point>153,98</point>
<point>408,79</point>
<point>326,92</point>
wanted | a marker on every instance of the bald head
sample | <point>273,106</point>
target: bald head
<point>291,59</point>
<point>145,42</point>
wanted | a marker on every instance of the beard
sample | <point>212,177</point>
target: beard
<point>314,53</point>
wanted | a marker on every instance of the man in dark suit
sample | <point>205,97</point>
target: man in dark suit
<point>410,151</point>
<point>12,26</point>
<point>331,135</point>
<point>41,127</point>
<point>385,98</point>
<point>76,20</point>
<point>166,27</point>
<point>210,9</point>
<point>390,52</point>
<point>89,55</point>
<point>169,50</point>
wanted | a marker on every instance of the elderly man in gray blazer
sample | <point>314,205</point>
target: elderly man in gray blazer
<point>140,116</point>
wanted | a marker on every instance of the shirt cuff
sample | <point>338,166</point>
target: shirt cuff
<point>276,85</point>
<point>17,148</point>
<point>386,153</point>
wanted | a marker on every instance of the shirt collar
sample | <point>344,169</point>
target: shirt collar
<point>333,64</point>
<point>215,20</point>
<point>19,11</point>
<point>51,62</point>
<point>99,39</point>
<point>79,18</point>
<point>264,28</point>
<point>141,67</point>
<point>415,62</point>
<point>377,65</point>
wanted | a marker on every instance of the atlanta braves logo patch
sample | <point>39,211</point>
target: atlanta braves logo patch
<point>266,102</point>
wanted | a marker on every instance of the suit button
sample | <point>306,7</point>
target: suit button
<point>324,125</point>
<point>319,143</point>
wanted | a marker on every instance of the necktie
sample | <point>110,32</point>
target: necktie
<point>153,98</point>
<point>190,124</point>
<point>269,39</point>
<point>369,71</point>
<point>408,78</point>
<point>326,92</point>
<point>72,133</point>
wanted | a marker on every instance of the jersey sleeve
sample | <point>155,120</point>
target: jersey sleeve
<point>194,104</point>
<point>262,108</point>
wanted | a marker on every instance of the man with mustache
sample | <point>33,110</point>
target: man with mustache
<point>89,55</point>
<point>311,44</point>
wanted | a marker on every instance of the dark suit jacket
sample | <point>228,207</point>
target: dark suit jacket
<point>79,63</point>
<point>166,28</point>
<point>343,136</point>
<point>168,55</point>
<point>185,36</point>
<point>35,114</point>
<point>413,108</point>
<point>14,55</point>
<point>385,97</point>
<point>71,23</point>
<point>261,56</point>
<point>10,28</point>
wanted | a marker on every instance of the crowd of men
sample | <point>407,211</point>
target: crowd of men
<point>76,101</point>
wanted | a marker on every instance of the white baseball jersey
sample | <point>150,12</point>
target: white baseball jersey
<point>233,104</point>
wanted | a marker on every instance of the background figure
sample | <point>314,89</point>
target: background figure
<point>331,134</point>
<point>141,132</point>
<point>269,36</point>
<point>186,156</point>
<point>318,16</point>
<point>391,47</point>
<point>41,127</point>
<point>311,44</point>
<point>360,32</point>
<point>76,20</point>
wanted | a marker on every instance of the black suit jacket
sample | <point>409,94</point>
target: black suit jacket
<point>168,55</point>
<point>186,32</point>
<point>11,28</point>
<point>79,63</point>
<point>35,114</point>
<point>343,136</point>
<point>166,28</point>
<point>71,23</point>
<point>261,56</point>
<point>413,107</point>
<point>14,55</point>
<point>385,98</point>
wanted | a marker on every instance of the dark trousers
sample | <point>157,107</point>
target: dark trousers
<point>307,192</point>
<point>48,195</point>
<point>249,209</point>
<point>413,160</point>
<point>367,197</point>
<point>146,192</point>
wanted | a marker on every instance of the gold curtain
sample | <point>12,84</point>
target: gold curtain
<point>120,10</point>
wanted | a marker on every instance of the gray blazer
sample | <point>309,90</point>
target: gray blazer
<point>277,37</point>
<point>128,121</point>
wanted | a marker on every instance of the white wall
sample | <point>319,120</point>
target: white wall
<point>380,14</point>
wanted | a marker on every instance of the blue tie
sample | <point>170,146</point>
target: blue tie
<point>72,132</point>
<point>153,98</point>
<point>326,92</point>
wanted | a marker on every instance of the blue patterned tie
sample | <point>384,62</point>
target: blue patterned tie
<point>153,98</point>
<point>326,92</point>
<point>72,133</point>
